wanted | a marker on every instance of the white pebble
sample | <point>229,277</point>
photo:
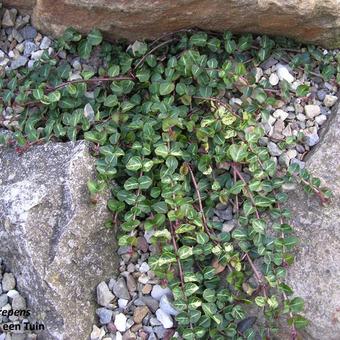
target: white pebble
<point>157,292</point>
<point>283,73</point>
<point>122,303</point>
<point>312,110</point>
<point>320,119</point>
<point>274,79</point>
<point>37,54</point>
<point>280,114</point>
<point>330,100</point>
<point>45,43</point>
<point>97,333</point>
<point>164,318</point>
<point>258,74</point>
<point>166,306</point>
<point>120,322</point>
<point>144,267</point>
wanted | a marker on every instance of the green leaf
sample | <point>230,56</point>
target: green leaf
<point>238,152</point>
<point>115,206</point>
<point>145,182</point>
<point>131,184</point>
<point>260,301</point>
<point>160,207</point>
<point>190,288</point>
<point>202,238</point>
<point>95,37</point>
<point>162,151</point>
<point>113,71</point>
<point>185,252</point>
<point>259,226</point>
<point>111,100</point>
<point>263,201</point>
<point>166,88</point>
<point>134,163</point>
<point>130,225</point>
<point>298,321</point>
<point>302,90</point>
<point>237,187</point>
<point>54,97</point>
<point>38,94</point>
<point>184,228</point>
<point>199,39</point>
<point>85,49</point>
<point>209,295</point>
<point>209,309</point>
<point>296,305</point>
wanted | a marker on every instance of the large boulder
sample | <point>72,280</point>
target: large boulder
<point>316,21</point>
<point>316,272</point>
<point>51,236</point>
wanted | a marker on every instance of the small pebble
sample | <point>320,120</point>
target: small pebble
<point>329,100</point>
<point>120,322</point>
<point>164,318</point>
<point>274,79</point>
<point>284,74</point>
<point>312,110</point>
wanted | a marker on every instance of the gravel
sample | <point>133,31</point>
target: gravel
<point>12,300</point>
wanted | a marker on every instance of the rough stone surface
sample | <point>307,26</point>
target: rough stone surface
<point>315,274</point>
<point>51,235</point>
<point>308,20</point>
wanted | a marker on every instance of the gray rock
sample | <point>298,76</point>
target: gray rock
<point>316,271</point>
<point>225,212</point>
<point>18,303</point>
<point>158,291</point>
<point>8,19</point>
<point>22,21</point>
<point>3,300</point>
<point>312,110</point>
<point>152,336</point>
<point>269,63</point>
<point>329,100</point>
<point>8,282</point>
<point>228,226</point>
<point>52,237</point>
<point>97,333</point>
<point>321,119</point>
<point>273,149</point>
<point>131,283</point>
<point>17,36</point>
<point>104,295</point>
<point>28,32</point>
<point>166,306</point>
<point>120,289</point>
<point>164,318</point>
<point>30,47</point>
<point>311,137</point>
<point>89,112</point>
<point>105,315</point>
<point>297,161</point>
<point>19,62</point>
<point>45,43</point>
<point>321,94</point>
<point>152,303</point>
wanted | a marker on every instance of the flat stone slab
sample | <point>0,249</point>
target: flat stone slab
<point>315,276</point>
<point>52,237</point>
